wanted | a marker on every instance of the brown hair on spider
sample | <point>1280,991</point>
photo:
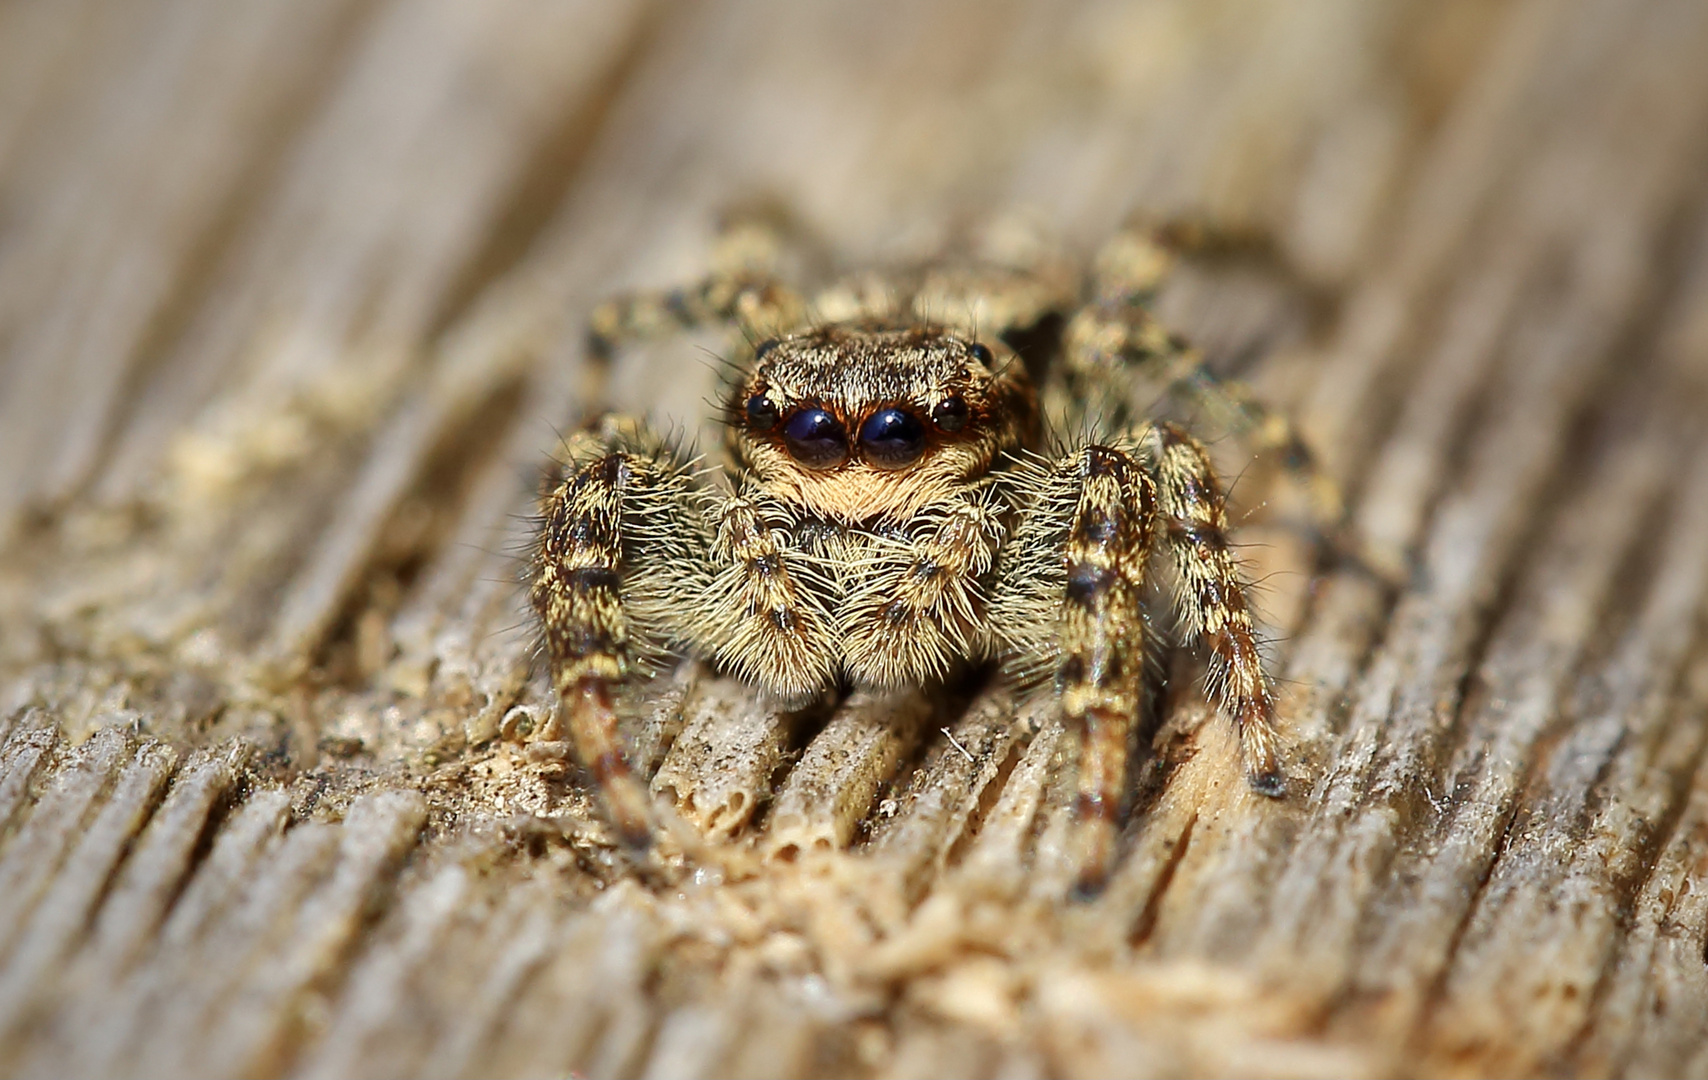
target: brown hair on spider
<point>856,423</point>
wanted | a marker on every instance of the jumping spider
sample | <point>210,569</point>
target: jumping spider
<point>900,504</point>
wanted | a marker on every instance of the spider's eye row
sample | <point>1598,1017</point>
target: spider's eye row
<point>892,438</point>
<point>761,414</point>
<point>950,414</point>
<point>815,438</point>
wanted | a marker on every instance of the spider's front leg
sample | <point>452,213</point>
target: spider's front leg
<point>635,560</point>
<point>1210,597</point>
<point>1070,596</point>
<point>620,536</point>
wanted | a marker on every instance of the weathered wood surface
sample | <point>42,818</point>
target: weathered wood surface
<point>289,306</point>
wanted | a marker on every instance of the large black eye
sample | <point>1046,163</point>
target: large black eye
<point>761,414</point>
<point>950,414</point>
<point>816,438</point>
<point>892,438</point>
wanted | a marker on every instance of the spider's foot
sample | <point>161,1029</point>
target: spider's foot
<point>1258,746</point>
<point>1094,845</point>
<point>1272,784</point>
<point>593,721</point>
<point>630,810</point>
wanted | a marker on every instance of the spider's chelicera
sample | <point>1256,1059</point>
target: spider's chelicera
<point>898,506</point>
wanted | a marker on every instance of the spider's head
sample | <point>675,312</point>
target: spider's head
<point>856,423</point>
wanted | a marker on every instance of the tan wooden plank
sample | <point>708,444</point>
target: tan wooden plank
<point>291,304</point>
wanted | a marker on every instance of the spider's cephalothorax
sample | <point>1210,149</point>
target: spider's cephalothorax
<point>892,514</point>
<point>866,423</point>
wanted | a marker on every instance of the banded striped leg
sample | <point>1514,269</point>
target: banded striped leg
<point>755,302</point>
<point>1070,597</point>
<point>1070,594</point>
<point>633,559</point>
<point>742,289</point>
<point>1115,353</point>
<point>603,574</point>
<point>1210,596</point>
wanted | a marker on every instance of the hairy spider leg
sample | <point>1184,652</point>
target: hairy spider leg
<point>620,540</point>
<point>1069,599</point>
<point>635,560</point>
<point>593,536</point>
<point>1115,344</point>
<point>742,289</point>
<point>1210,595</point>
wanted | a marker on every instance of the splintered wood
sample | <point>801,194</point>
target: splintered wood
<point>291,310</point>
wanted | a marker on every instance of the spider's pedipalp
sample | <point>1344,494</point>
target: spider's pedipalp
<point>918,608</point>
<point>761,619</point>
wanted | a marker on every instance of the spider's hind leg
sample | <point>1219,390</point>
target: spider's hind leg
<point>1118,357</point>
<point>743,288</point>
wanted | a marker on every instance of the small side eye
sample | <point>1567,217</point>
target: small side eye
<point>981,353</point>
<point>764,347</point>
<point>950,414</point>
<point>761,414</point>
<point>892,438</point>
<point>815,438</point>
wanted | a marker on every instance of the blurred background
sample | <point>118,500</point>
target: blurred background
<point>292,296</point>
